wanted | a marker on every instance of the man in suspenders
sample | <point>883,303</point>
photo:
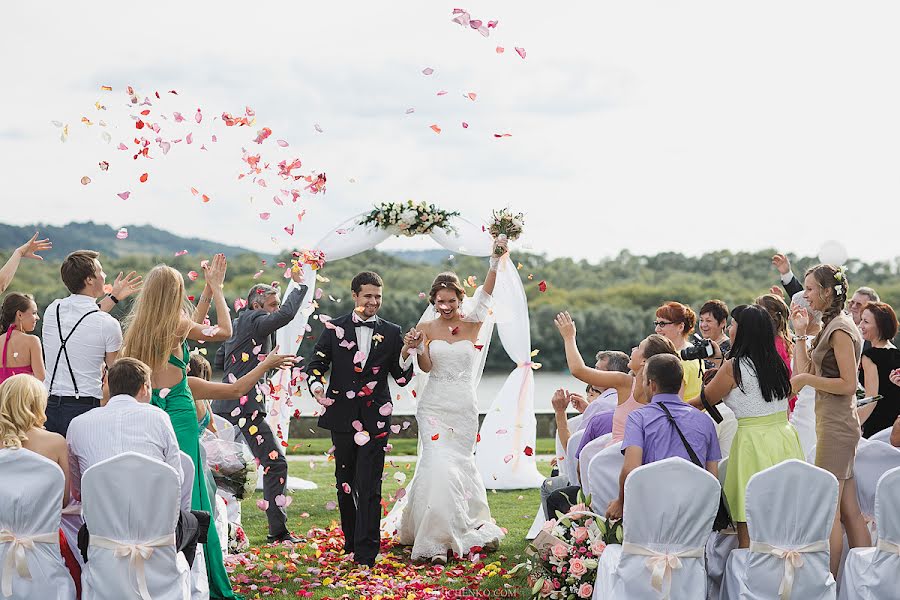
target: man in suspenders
<point>79,336</point>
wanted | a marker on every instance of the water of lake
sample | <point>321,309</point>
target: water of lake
<point>545,384</point>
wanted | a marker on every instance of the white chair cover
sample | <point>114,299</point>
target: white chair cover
<point>661,556</point>
<point>874,573</point>
<point>790,511</point>
<point>590,450</point>
<point>130,505</point>
<point>718,547</point>
<point>221,517</point>
<point>31,492</point>
<point>570,463</point>
<point>873,459</point>
<point>574,423</point>
<point>187,486</point>
<point>537,524</point>
<point>603,472</point>
<point>882,436</point>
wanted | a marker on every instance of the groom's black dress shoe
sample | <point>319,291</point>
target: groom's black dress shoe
<point>287,536</point>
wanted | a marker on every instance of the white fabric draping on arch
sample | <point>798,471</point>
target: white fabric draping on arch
<point>501,458</point>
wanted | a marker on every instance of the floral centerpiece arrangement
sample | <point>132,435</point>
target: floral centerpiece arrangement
<point>505,223</point>
<point>409,219</point>
<point>562,560</point>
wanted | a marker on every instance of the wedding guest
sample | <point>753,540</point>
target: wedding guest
<point>651,436</point>
<point>205,391</point>
<point>601,399</point>
<point>781,316</point>
<point>713,320</point>
<point>23,402</point>
<point>156,333</point>
<point>79,337</point>
<point>629,387</point>
<point>791,285</point>
<point>858,301</point>
<point>878,326</point>
<point>127,422</point>
<point>254,334</point>
<point>803,417</point>
<point>831,368</point>
<point>22,351</point>
<point>29,249</point>
<point>755,385</point>
<point>676,321</point>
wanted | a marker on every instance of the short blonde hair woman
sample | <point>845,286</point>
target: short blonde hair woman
<point>156,333</point>
<point>23,402</point>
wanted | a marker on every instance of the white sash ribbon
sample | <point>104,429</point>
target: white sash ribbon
<point>138,553</point>
<point>888,546</point>
<point>792,560</point>
<point>661,564</point>
<point>15,556</point>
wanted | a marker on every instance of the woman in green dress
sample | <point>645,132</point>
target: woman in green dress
<point>156,332</point>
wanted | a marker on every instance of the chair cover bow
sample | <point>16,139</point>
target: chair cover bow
<point>888,546</point>
<point>15,558</point>
<point>137,552</point>
<point>792,558</point>
<point>662,564</point>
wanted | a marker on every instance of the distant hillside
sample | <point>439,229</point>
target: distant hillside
<point>428,257</point>
<point>142,240</point>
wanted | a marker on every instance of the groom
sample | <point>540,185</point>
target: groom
<point>360,349</point>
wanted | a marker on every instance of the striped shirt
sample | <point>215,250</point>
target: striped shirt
<point>123,425</point>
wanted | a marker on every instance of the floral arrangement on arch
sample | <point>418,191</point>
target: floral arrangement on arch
<point>562,560</point>
<point>409,218</point>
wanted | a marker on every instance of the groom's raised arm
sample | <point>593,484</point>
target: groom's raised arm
<point>320,362</point>
<point>400,375</point>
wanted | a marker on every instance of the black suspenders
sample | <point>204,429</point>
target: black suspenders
<point>63,350</point>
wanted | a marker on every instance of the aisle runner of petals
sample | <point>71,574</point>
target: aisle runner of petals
<point>321,563</point>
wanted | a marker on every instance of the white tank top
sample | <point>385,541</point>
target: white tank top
<point>750,402</point>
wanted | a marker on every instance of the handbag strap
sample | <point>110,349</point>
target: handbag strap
<point>684,441</point>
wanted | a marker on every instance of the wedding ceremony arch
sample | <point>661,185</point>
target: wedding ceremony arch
<point>505,452</point>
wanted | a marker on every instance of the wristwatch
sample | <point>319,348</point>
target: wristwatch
<point>113,298</point>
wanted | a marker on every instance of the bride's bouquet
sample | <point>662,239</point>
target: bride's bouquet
<point>231,463</point>
<point>562,560</point>
<point>505,223</point>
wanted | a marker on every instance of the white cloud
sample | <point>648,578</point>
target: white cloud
<point>653,126</point>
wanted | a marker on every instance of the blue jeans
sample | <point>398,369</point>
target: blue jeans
<point>62,409</point>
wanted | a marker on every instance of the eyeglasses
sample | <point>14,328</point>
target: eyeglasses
<point>662,323</point>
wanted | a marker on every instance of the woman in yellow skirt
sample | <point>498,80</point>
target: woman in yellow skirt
<point>755,384</point>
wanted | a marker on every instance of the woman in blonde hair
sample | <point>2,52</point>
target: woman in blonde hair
<point>831,369</point>
<point>23,400</point>
<point>156,332</point>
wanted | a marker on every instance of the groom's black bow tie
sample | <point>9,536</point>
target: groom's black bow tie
<point>369,324</point>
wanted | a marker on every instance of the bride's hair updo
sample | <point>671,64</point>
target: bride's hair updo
<point>835,279</point>
<point>446,281</point>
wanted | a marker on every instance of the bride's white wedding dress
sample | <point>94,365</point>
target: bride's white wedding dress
<point>446,507</point>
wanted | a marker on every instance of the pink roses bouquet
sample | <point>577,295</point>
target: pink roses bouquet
<point>562,561</point>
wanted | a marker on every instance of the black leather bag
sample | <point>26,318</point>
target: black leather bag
<point>723,519</point>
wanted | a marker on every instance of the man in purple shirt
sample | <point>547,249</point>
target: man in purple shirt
<point>649,436</point>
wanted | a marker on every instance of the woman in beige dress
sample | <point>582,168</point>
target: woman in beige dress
<point>831,368</point>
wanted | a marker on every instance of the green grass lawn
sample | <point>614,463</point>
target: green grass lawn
<point>513,510</point>
<point>402,446</point>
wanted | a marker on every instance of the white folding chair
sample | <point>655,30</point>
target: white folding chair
<point>874,573</point>
<point>130,506</point>
<point>669,509</point>
<point>570,463</point>
<point>882,436</point>
<point>718,547</point>
<point>590,450</point>
<point>604,470</point>
<point>873,459</point>
<point>31,493</point>
<point>187,486</point>
<point>789,553</point>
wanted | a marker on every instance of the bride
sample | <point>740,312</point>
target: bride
<point>445,509</point>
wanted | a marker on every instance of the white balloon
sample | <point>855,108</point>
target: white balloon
<point>833,252</point>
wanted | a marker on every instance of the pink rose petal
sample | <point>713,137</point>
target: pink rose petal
<point>282,143</point>
<point>265,216</point>
<point>330,505</point>
<point>395,429</point>
<point>262,505</point>
<point>361,438</point>
<point>122,234</point>
<point>283,501</point>
<point>357,425</point>
<point>507,458</point>
<point>427,71</point>
<point>198,116</point>
<point>521,52</point>
<point>346,487</point>
<point>386,409</point>
<point>123,195</point>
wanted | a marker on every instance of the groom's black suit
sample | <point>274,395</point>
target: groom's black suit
<point>359,467</point>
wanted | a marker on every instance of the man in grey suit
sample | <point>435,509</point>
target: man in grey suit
<point>254,334</point>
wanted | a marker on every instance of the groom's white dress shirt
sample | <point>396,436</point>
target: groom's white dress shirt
<point>123,425</point>
<point>363,343</point>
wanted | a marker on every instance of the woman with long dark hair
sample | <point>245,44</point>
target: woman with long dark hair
<point>755,384</point>
<point>832,367</point>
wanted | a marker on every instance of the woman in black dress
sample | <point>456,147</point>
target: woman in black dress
<point>878,325</point>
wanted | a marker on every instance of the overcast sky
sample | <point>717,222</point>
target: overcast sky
<point>651,126</point>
